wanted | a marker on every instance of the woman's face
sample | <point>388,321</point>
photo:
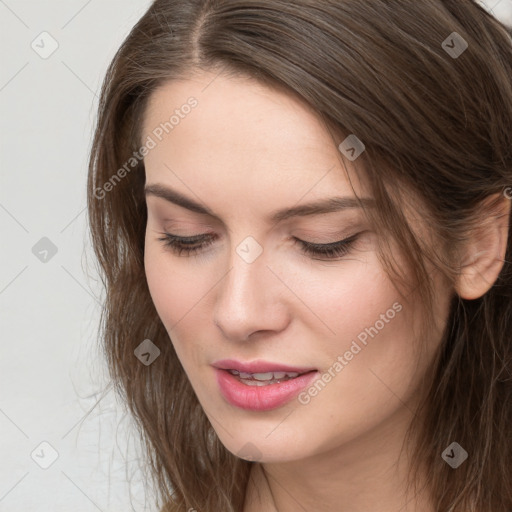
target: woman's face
<point>251,298</point>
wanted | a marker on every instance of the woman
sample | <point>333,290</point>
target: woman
<point>302,214</point>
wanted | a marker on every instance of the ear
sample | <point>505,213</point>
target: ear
<point>484,252</point>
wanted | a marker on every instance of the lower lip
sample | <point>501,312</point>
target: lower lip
<point>261,398</point>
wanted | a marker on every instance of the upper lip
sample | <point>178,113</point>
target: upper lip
<point>258,366</point>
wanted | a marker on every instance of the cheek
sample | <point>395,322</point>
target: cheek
<point>364,332</point>
<point>340,302</point>
<point>172,289</point>
<point>178,295</point>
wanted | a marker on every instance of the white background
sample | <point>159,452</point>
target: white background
<point>53,384</point>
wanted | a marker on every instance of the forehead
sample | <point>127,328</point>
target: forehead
<point>242,134</point>
<point>241,107</point>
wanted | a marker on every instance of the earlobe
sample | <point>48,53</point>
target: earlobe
<point>484,253</point>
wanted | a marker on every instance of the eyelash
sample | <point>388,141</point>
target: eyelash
<point>180,245</point>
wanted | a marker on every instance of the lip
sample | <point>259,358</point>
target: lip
<point>258,366</point>
<point>261,398</point>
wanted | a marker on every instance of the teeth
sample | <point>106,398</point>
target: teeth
<point>255,383</point>
<point>264,377</point>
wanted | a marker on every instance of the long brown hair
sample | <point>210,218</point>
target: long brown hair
<point>434,123</point>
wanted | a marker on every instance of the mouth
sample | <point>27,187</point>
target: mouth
<point>260,385</point>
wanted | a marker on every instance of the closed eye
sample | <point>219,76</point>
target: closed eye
<point>189,246</point>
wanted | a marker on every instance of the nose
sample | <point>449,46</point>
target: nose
<point>250,298</point>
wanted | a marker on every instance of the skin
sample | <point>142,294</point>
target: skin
<point>245,151</point>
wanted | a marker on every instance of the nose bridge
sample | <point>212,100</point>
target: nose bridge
<point>243,285</point>
<point>245,302</point>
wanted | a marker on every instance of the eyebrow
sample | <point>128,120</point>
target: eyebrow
<point>327,205</point>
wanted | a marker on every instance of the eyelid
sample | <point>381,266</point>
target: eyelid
<point>195,245</point>
<point>310,239</point>
<point>333,242</point>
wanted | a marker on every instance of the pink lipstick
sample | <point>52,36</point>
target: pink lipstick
<point>261,385</point>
